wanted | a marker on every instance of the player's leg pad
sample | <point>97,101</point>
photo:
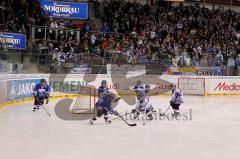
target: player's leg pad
<point>36,107</point>
<point>105,112</point>
<point>149,110</point>
<point>47,98</point>
<point>172,104</point>
<point>99,112</point>
<point>39,101</point>
<point>107,120</point>
<point>150,116</point>
<point>136,114</point>
<point>176,106</point>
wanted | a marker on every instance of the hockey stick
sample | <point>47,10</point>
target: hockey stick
<point>117,99</point>
<point>121,116</point>
<point>126,121</point>
<point>162,114</point>
<point>46,110</point>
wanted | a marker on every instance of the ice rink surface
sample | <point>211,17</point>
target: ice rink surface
<point>213,133</point>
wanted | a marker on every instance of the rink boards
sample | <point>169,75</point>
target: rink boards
<point>17,88</point>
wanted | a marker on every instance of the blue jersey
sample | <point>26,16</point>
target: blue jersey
<point>105,99</point>
<point>137,86</point>
<point>41,91</point>
<point>102,91</point>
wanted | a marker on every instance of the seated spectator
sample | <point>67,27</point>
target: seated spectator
<point>86,28</point>
<point>105,28</point>
<point>219,59</point>
<point>61,56</point>
<point>238,60</point>
<point>54,24</point>
<point>174,61</point>
<point>231,62</point>
<point>55,54</point>
<point>187,60</point>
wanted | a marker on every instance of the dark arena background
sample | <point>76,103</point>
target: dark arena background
<point>115,79</point>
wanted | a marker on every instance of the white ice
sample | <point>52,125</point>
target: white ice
<point>213,133</point>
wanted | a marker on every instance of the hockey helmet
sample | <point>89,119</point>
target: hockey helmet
<point>43,81</point>
<point>147,87</point>
<point>173,85</point>
<point>104,82</point>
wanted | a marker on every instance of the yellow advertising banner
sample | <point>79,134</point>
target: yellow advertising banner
<point>187,69</point>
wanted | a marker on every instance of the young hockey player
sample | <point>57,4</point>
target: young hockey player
<point>176,99</point>
<point>41,92</point>
<point>104,103</point>
<point>143,105</point>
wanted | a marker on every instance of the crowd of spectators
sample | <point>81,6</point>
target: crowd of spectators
<point>64,47</point>
<point>19,16</point>
<point>186,35</point>
<point>177,36</point>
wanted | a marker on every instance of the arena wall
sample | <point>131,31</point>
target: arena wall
<point>17,88</point>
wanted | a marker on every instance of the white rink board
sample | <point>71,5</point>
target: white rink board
<point>228,85</point>
<point>213,85</point>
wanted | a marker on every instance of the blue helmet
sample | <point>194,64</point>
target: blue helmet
<point>103,82</point>
<point>173,85</point>
<point>43,81</point>
<point>147,87</point>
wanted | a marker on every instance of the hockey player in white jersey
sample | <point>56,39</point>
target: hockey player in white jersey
<point>176,99</point>
<point>143,105</point>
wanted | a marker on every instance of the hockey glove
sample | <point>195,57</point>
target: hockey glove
<point>133,111</point>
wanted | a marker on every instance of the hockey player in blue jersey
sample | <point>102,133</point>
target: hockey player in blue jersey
<point>41,92</point>
<point>138,85</point>
<point>176,99</point>
<point>143,105</point>
<point>104,103</point>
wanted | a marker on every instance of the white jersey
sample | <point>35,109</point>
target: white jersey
<point>141,92</point>
<point>143,99</point>
<point>177,96</point>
